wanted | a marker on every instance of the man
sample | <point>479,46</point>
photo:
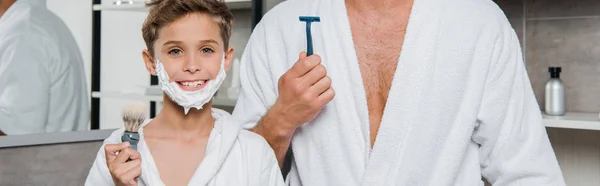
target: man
<point>430,92</point>
<point>42,81</point>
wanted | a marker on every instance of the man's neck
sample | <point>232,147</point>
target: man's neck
<point>195,122</point>
<point>4,5</point>
<point>378,5</point>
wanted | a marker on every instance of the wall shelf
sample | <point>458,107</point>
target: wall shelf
<point>563,18</point>
<point>573,120</point>
<point>139,6</point>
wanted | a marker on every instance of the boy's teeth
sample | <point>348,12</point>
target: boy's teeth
<point>192,84</point>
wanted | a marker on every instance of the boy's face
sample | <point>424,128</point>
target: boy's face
<point>190,49</point>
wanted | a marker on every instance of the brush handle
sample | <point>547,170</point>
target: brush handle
<point>132,137</point>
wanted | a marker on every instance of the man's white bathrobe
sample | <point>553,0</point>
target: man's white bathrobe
<point>460,106</point>
<point>233,157</point>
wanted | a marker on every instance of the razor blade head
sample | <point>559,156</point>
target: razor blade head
<point>310,18</point>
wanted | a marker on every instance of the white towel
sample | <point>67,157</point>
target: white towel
<point>460,106</point>
<point>233,157</point>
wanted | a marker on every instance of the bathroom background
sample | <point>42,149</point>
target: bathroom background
<point>562,33</point>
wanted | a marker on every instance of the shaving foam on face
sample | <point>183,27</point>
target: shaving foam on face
<point>189,99</point>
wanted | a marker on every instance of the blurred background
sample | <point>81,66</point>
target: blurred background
<point>553,33</point>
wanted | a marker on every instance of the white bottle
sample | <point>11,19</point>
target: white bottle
<point>555,94</point>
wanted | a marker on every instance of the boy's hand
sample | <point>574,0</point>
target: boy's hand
<point>123,172</point>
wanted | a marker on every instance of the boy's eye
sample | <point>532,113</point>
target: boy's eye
<point>175,52</point>
<point>207,50</point>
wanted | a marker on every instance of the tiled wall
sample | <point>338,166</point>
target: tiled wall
<point>563,33</point>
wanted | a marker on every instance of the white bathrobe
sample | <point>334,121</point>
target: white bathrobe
<point>233,157</point>
<point>460,106</point>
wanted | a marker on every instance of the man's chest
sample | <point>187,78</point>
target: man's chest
<point>377,54</point>
<point>378,48</point>
<point>378,45</point>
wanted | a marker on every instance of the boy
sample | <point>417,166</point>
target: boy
<point>188,143</point>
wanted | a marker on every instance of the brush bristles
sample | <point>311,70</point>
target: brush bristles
<point>133,117</point>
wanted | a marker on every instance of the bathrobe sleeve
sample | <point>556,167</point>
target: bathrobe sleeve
<point>514,147</point>
<point>99,174</point>
<point>271,174</point>
<point>258,91</point>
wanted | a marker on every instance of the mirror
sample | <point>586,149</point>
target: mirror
<point>45,84</point>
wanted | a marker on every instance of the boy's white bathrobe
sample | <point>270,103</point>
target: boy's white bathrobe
<point>233,157</point>
<point>460,105</point>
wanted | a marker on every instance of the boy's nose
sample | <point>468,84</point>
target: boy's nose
<point>192,68</point>
<point>192,65</point>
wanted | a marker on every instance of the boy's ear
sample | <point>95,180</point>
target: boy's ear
<point>228,58</point>
<point>149,62</point>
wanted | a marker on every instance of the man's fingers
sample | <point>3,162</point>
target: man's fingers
<point>110,150</point>
<point>321,86</point>
<point>326,96</point>
<point>304,65</point>
<point>302,55</point>
<point>314,75</point>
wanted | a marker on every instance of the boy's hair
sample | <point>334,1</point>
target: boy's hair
<point>164,12</point>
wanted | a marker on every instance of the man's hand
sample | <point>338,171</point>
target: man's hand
<point>303,91</point>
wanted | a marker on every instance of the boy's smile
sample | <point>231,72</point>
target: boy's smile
<point>192,85</point>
